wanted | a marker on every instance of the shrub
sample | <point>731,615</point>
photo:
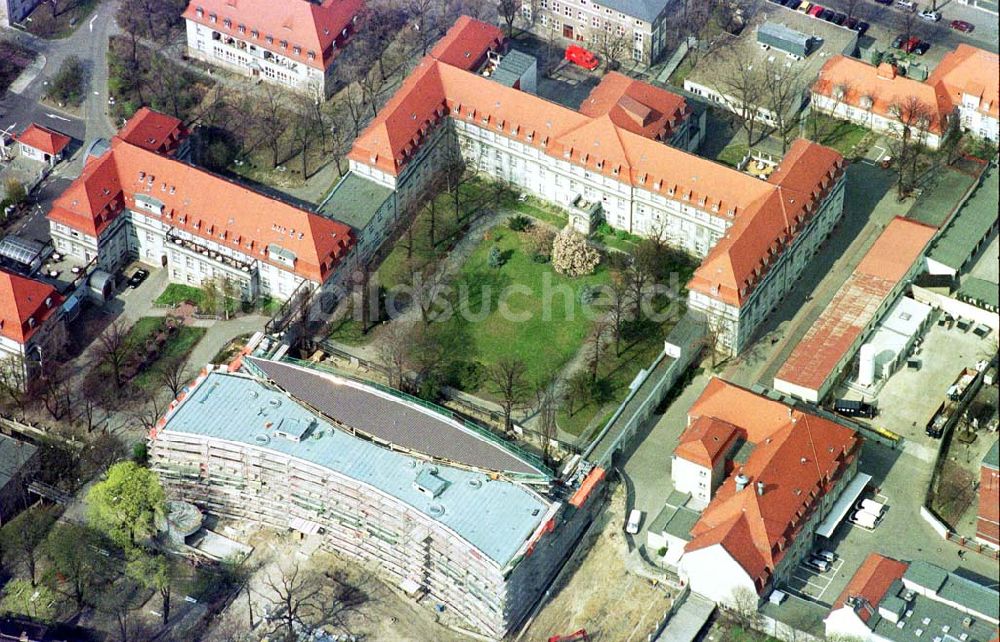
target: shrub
<point>519,223</point>
<point>588,294</point>
<point>572,255</point>
<point>15,191</point>
<point>495,260</point>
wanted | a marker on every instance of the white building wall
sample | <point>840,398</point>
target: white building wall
<point>865,118</point>
<point>689,477</point>
<point>845,622</point>
<point>713,573</point>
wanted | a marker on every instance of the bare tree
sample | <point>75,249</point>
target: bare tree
<point>114,349</point>
<point>595,348</point>
<point>297,595</point>
<point>613,45</point>
<point>620,306</point>
<point>508,379</point>
<point>14,382</point>
<point>912,119</point>
<point>784,92</point>
<point>509,10</point>
<point>547,397</point>
<point>392,351</point>
<point>741,608</point>
<point>739,83</point>
<point>307,126</point>
<point>174,375</point>
<point>430,289</point>
<point>270,120</point>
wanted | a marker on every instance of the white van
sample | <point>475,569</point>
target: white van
<point>632,525</point>
<point>865,520</point>
<point>872,506</point>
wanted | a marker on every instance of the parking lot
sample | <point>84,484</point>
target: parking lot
<point>909,398</point>
<point>810,584</point>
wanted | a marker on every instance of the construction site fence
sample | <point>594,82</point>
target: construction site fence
<point>433,407</point>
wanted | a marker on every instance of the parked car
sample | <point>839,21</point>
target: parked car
<point>816,10</point>
<point>817,564</point>
<point>829,556</point>
<point>851,23</point>
<point>838,18</point>
<point>854,408</point>
<point>634,518</point>
<point>137,278</point>
<point>962,25</point>
<point>871,506</point>
<point>580,56</point>
<point>922,47</point>
<point>897,42</point>
<point>930,16</point>
<point>862,27</point>
<point>793,4</point>
<point>826,15</point>
<point>885,2</point>
<point>806,6</point>
<point>911,44</point>
<point>864,519</point>
<point>909,5</point>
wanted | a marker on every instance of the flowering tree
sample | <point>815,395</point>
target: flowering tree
<point>572,255</point>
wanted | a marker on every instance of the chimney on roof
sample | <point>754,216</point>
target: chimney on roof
<point>760,487</point>
<point>741,482</point>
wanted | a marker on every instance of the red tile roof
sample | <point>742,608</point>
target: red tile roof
<point>607,138</point>
<point>202,204</point>
<point>153,131</point>
<point>799,457</point>
<point>466,43</point>
<point>636,106</point>
<point>871,581</point>
<point>22,299</point>
<point>44,139</point>
<point>881,85</point>
<point>706,439</point>
<point>968,70</point>
<point>855,305</point>
<point>311,31</point>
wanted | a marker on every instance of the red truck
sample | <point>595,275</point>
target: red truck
<point>580,56</point>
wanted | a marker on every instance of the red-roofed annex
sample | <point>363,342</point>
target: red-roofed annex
<point>137,199</point>
<point>761,508</point>
<point>613,152</point>
<point>291,43</point>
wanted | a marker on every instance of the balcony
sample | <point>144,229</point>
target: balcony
<point>208,253</point>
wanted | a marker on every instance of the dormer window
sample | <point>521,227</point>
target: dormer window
<point>242,29</point>
<point>199,12</point>
<point>31,322</point>
<point>48,302</point>
<point>311,55</point>
<point>297,50</point>
<point>283,44</point>
<point>269,40</point>
<point>255,34</point>
<point>227,23</point>
<point>212,18</point>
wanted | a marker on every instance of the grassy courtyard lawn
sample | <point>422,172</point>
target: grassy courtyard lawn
<point>177,294</point>
<point>832,132</point>
<point>68,17</point>
<point>733,153</point>
<point>552,329</point>
<point>178,346</point>
<point>347,330</point>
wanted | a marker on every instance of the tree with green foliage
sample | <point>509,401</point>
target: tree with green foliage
<point>22,535</point>
<point>495,259</point>
<point>72,549</point>
<point>126,503</point>
<point>21,597</point>
<point>69,84</point>
<point>153,571</point>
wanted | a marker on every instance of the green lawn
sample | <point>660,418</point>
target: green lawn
<point>348,331</point>
<point>548,330</point>
<point>176,294</point>
<point>178,346</point>
<point>69,15</point>
<point>733,153</point>
<point>832,132</point>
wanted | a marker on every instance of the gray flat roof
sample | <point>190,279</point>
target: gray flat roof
<point>512,66</point>
<point>355,201</point>
<point>392,419</point>
<point>647,10</point>
<point>992,458</point>
<point>494,515</point>
<point>13,454</point>
<point>970,225</point>
<point>980,290</point>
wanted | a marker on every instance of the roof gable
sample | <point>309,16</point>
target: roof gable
<point>44,139</point>
<point>22,299</point>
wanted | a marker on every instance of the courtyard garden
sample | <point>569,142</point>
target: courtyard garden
<point>157,343</point>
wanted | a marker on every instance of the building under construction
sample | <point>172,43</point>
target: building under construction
<point>447,511</point>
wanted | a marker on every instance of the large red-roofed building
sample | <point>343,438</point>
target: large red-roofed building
<point>766,476</point>
<point>137,199</point>
<point>29,321</point>
<point>291,43</point>
<point>611,159</point>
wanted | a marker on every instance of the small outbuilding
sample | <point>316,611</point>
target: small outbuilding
<point>42,144</point>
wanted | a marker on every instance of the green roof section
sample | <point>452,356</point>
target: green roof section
<point>974,221</point>
<point>992,458</point>
<point>675,519</point>
<point>355,201</point>
<point>980,290</point>
<point>975,597</point>
<point>926,575</point>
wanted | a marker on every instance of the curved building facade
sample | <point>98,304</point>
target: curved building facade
<point>275,447</point>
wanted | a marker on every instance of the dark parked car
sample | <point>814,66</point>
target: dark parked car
<point>793,4</point>
<point>885,2</point>
<point>921,47</point>
<point>838,18</point>
<point>897,42</point>
<point>962,25</point>
<point>851,23</point>
<point>826,14</point>
<point>862,27</point>
<point>852,408</point>
<point>137,278</point>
